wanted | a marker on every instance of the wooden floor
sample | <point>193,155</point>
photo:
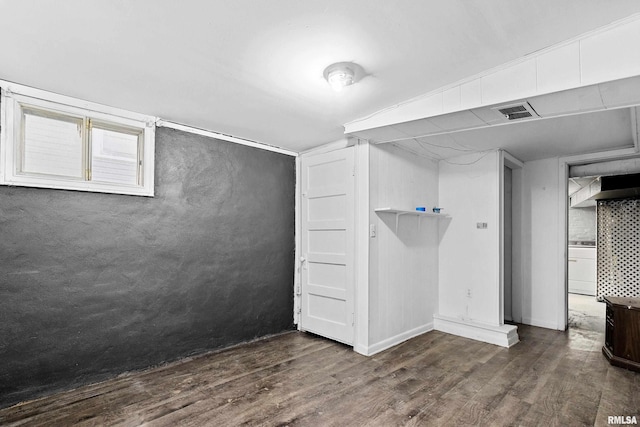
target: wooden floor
<point>549,378</point>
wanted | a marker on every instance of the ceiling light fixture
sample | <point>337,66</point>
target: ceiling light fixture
<point>340,75</point>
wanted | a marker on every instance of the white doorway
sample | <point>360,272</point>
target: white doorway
<point>511,211</point>
<point>587,231</point>
<point>584,311</point>
<point>328,245</point>
<point>508,244</point>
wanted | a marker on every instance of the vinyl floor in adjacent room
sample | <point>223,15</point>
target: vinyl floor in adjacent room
<point>549,378</point>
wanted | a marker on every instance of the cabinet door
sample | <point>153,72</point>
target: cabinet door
<point>582,269</point>
<point>609,327</point>
<point>626,341</point>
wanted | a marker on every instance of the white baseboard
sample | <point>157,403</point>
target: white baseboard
<point>395,340</point>
<point>502,335</point>
<point>539,323</point>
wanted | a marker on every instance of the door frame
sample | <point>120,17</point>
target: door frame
<point>562,291</point>
<point>517,168</point>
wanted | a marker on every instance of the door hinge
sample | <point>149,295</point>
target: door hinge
<point>298,290</point>
<point>299,310</point>
<point>353,319</point>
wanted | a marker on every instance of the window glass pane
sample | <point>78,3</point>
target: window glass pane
<point>52,145</point>
<point>114,156</point>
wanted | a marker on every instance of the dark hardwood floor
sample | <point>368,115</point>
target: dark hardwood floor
<point>549,378</point>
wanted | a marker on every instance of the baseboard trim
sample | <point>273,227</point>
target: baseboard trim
<point>539,323</point>
<point>392,341</point>
<point>502,335</point>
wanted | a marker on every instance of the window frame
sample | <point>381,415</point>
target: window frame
<point>15,98</point>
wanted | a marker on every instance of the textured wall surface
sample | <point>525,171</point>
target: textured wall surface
<point>582,224</point>
<point>93,285</point>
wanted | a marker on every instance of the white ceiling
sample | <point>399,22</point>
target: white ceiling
<point>535,139</point>
<point>253,69</point>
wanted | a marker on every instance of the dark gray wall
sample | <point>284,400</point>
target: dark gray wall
<point>93,285</point>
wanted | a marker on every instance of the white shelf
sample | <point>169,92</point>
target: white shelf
<point>399,212</point>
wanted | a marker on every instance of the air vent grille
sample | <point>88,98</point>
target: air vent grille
<point>516,111</point>
<point>512,110</point>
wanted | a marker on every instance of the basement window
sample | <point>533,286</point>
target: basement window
<point>50,141</point>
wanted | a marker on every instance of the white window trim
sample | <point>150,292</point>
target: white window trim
<point>13,95</point>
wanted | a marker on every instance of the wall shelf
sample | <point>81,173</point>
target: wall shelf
<point>399,212</point>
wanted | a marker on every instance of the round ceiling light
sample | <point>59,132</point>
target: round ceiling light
<point>340,75</point>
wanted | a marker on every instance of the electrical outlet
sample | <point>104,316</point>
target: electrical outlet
<point>372,230</point>
<point>469,293</point>
<point>481,225</point>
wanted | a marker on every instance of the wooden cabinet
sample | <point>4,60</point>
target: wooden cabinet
<point>622,333</point>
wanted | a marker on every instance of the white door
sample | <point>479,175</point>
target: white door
<point>328,185</point>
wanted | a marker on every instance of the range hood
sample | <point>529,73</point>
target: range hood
<point>605,188</point>
<point>619,187</point>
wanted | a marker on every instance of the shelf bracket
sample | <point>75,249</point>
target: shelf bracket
<point>397,220</point>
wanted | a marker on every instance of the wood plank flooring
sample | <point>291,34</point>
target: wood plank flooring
<point>297,379</point>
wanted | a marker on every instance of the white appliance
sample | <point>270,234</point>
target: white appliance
<point>582,270</point>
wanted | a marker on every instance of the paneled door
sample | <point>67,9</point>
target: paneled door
<point>327,263</point>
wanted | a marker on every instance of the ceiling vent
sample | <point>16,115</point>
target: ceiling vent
<point>519,111</point>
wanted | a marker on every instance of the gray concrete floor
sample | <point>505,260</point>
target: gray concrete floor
<point>586,313</point>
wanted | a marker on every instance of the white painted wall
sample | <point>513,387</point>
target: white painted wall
<point>542,258</point>
<point>469,258</point>
<point>403,273</point>
<point>361,337</point>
